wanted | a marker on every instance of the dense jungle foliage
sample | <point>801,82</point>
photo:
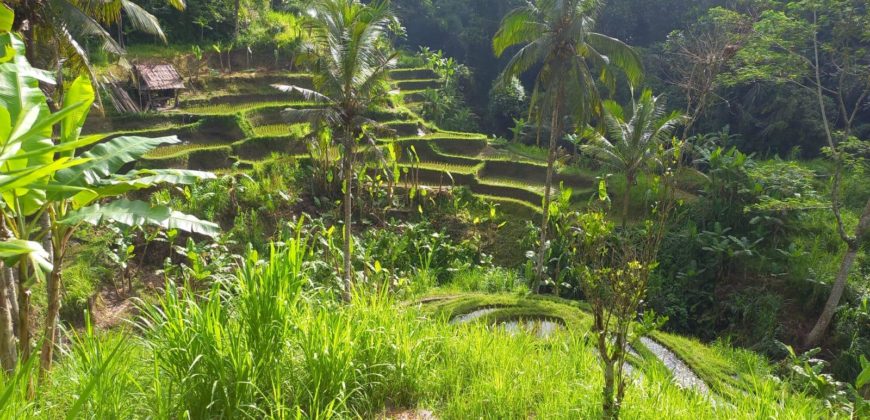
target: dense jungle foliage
<point>423,209</point>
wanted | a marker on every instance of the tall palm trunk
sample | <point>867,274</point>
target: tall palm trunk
<point>626,197</point>
<point>7,334</point>
<point>347,167</point>
<point>7,331</point>
<point>842,278</point>
<point>555,131</point>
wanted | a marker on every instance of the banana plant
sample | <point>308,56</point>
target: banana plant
<point>44,175</point>
<point>92,192</point>
<point>28,157</point>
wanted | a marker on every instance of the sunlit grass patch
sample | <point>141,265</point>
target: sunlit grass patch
<point>233,108</point>
<point>281,129</point>
<point>178,150</point>
<point>444,167</point>
<point>157,129</point>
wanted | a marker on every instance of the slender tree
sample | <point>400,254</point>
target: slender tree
<point>820,47</point>
<point>695,58</point>
<point>630,144</point>
<point>558,36</point>
<point>353,56</point>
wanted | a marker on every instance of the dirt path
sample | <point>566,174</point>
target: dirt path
<point>408,415</point>
<point>112,307</point>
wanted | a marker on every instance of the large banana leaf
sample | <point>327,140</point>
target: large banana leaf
<point>132,181</point>
<point>14,250</point>
<point>165,176</point>
<point>107,158</point>
<point>7,17</point>
<point>17,136</point>
<point>26,109</point>
<point>26,178</point>
<point>14,54</point>
<point>80,91</point>
<point>139,213</point>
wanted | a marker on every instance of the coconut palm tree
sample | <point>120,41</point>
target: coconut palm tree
<point>54,30</point>
<point>558,36</point>
<point>631,146</point>
<point>353,56</point>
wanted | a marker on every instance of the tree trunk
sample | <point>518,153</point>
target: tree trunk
<point>626,198</point>
<point>619,366</point>
<point>23,313</point>
<point>8,309</point>
<point>555,131</point>
<point>821,327</point>
<point>839,286</point>
<point>610,410</point>
<point>236,23</point>
<point>7,334</point>
<point>348,216</point>
<point>12,296</point>
<point>121,30</point>
<point>51,316</point>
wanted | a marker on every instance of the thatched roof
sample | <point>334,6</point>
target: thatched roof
<point>158,77</point>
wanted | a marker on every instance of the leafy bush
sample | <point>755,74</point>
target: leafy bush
<point>507,103</point>
<point>91,267</point>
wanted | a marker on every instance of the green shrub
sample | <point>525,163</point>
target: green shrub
<point>81,281</point>
<point>87,269</point>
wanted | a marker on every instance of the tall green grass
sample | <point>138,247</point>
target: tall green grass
<point>267,343</point>
<point>489,373</point>
<point>261,347</point>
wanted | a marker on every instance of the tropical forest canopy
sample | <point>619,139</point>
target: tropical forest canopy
<point>435,209</point>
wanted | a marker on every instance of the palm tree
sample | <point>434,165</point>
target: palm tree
<point>353,58</point>
<point>55,29</point>
<point>631,146</point>
<point>558,36</point>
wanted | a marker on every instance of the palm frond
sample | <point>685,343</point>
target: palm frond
<point>519,26</point>
<point>80,23</point>
<point>141,20</point>
<point>524,59</point>
<point>628,144</point>
<point>103,11</point>
<point>317,117</point>
<point>308,94</point>
<point>619,55</point>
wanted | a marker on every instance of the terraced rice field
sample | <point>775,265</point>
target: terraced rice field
<point>249,128</point>
<point>233,108</point>
<point>693,366</point>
